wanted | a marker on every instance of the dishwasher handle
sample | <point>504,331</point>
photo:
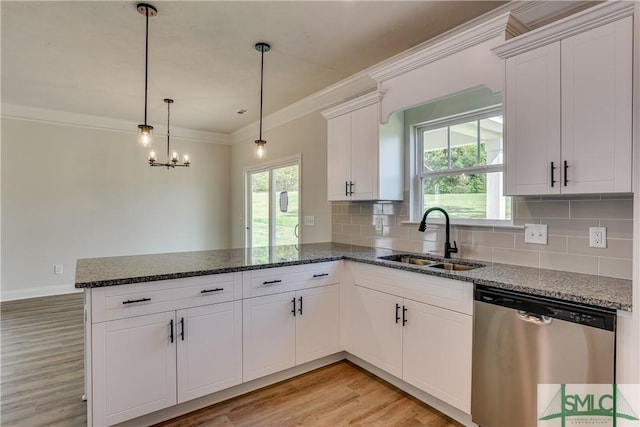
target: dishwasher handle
<point>536,319</point>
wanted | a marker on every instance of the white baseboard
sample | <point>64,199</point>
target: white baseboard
<point>45,291</point>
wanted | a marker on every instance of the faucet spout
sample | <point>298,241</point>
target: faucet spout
<point>448,249</point>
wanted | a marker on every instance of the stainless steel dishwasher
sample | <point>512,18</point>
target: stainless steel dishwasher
<point>520,341</point>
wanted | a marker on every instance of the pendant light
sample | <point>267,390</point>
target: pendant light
<point>145,131</point>
<point>261,151</point>
<point>172,161</point>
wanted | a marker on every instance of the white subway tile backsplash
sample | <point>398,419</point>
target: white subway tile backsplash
<point>380,224</point>
<point>603,209</point>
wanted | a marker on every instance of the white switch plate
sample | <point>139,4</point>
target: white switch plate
<point>58,269</point>
<point>535,233</point>
<point>597,237</point>
<point>309,220</point>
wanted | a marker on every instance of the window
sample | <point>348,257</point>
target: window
<point>459,166</point>
<point>273,204</point>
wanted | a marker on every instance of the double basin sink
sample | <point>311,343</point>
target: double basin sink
<point>426,261</point>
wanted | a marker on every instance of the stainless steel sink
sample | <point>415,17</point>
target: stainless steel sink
<point>410,259</point>
<point>454,267</point>
<point>430,262</point>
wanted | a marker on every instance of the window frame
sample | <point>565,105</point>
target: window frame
<point>419,171</point>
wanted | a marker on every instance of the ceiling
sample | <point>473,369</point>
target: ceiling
<point>88,56</point>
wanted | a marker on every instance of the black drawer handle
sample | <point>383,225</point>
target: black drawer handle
<point>397,315</point>
<point>211,290</point>
<point>553,180</point>
<point>133,301</point>
<point>171,330</point>
<point>182,328</point>
<point>271,282</point>
<point>404,315</point>
<point>566,179</point>
<point>320,275</point>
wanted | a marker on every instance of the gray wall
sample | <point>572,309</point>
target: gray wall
<point>72,192</point>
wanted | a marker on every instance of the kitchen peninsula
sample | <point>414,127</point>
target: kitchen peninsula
<point>169,333</point>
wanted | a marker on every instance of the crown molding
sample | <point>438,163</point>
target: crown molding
<point>505,24</point>
<point>580,22</point>
<point>354,104</point>
<point>21,112</point>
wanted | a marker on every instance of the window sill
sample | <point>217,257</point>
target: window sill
<point>487,223</point>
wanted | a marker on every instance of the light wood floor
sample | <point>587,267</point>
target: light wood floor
<point>42,382</point>
<point>341,394</point>
<point>42,375</point>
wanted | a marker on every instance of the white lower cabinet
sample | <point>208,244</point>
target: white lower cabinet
<point>147,363</point>
<point>437,352</point>
<point>415,327</point>
<point>209,349</point>
<point>376,334</point>
<point>287,329</point>
<point>134,367</point>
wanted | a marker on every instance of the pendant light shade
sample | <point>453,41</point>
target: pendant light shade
<point>261,149</point>
<point>145,131</point>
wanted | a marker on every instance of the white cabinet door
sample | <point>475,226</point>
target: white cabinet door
<point>437,353</point>
<point>317,323</point>
<point>209,349</point>
<point>339,157</point>
<point>269,333</point>
<point>365,145</point>
<point>134,367</point>
<point>532,122</point>
<point>597,108</point>
<point>376,334</point>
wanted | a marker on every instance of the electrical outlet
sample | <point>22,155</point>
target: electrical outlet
<point>535,233</point>
<point>597,237</point>
<point>58,269</point>
<point>309,221</point>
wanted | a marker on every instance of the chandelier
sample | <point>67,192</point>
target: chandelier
<point>172,161</point>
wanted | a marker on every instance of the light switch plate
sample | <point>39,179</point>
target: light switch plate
<point>535,233</point>
<point>309,220</point>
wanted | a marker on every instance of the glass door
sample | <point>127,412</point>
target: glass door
<point>273,215</point>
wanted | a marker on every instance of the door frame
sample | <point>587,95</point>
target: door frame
<point>262,167</point>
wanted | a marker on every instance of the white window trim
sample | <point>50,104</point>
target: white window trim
<point>416,203</point>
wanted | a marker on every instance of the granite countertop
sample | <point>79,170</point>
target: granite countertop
<point>598,291</point>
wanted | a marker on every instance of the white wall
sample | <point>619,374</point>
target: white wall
<point>306,135</point>
<point>72,192</point>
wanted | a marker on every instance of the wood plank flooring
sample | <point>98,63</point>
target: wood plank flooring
<point>42,383</point>
<point>340,394</point>
<point>42,377</point>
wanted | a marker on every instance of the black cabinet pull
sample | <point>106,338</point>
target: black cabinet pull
<point>132,301</point>
<point>553,180</point>
<point>566,166</point>
<point>320,275</point>
<point>397,315</point>
<point>350,188</point>
<point>293,310</point>
<point>182,328</point>
<point>171,329</point>
<point>300,308</point>
<point>404,315</point>
<point>205,291</point>
<point>271,282</point>
<point>346,188</point>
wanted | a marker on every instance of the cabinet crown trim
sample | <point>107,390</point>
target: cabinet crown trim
<point>505,25</point>
<point>354,104</point>
<point>593,17</point>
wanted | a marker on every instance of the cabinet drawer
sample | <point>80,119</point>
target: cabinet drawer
<point>117,302</point>
<point>446,293</point>
<point>285,279</point>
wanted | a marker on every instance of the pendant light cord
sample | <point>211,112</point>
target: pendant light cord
<point>261,86</point>
<point>168,117</point>
<point>146,63</point>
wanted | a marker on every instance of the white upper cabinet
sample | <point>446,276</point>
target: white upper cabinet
<point>568,105</point>
<point>364,158</point>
